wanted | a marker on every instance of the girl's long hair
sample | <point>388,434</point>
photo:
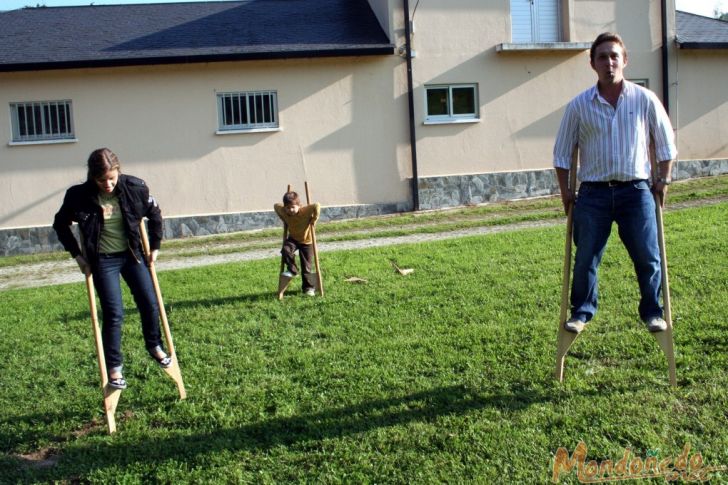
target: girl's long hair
<point>101,161</point>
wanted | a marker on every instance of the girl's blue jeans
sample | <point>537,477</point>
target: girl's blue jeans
<point>107,275</point>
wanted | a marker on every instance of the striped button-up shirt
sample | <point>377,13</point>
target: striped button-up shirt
<point>614,142</point>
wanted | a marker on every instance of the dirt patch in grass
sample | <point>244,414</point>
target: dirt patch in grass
<point>43,458</point>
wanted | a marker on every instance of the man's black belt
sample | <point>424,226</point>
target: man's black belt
<point>613,183</point>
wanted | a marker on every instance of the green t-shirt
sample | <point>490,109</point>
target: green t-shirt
<point>113,234</point>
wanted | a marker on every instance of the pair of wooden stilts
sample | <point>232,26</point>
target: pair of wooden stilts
<point>283,280</point>
<point>111,394</point>
<point>566,338</point>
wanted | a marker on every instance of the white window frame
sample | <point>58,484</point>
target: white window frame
<point>40,122</point>
<point>451,117</point>
<point>541,30</point>
<point>244,119</point>
<point>644,82</point>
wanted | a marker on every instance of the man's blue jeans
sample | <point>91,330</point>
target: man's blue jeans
<point>108,285</point>
<point>632,206</point>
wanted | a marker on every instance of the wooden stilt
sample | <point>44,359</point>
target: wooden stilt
<point>664,339</point>
<point>319,279</point>
<point>111,395</point>
<point>566,338</point>
<point>173,370</point>
<point>283,281</point>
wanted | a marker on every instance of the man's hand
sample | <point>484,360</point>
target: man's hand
<point>153,256</point>
<point>660,189</point>
<point>567,199</point>
<point>662,180</point>
<point>83,265</point>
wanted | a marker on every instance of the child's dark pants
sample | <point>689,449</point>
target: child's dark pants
<point>305,252</point>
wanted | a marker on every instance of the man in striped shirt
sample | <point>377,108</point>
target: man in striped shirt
<point>612,124</point>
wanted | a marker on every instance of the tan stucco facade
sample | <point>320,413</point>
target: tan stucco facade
<point>522,93</point>
<point>342,127</point>
<point>701,104</point>
<point>344,120</point>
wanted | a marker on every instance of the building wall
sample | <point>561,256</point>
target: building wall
<point>701,105</point>
<point>344,125</point>
<point>522,94</point>
<point>343,128</point>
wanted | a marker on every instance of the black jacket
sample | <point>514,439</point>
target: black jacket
<point>81,205</point>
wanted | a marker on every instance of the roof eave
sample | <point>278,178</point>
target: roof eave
<point>700,45</point>
<point>374,50</point>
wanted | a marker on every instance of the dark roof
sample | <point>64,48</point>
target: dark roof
<point>171,33</point>
<point>698,32</point>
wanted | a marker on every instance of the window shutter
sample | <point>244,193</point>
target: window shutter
<point>521,21</point>
<point>547,16</point>
<point>535,21</point>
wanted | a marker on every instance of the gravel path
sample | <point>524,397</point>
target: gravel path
<point>60,272</point>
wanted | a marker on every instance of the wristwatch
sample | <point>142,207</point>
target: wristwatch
<point>665,180</point>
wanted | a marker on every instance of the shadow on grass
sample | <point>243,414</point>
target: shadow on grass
<point>80,461</point>
<point>172,305</point>
<point>267,296</point>
<point>31,429</point>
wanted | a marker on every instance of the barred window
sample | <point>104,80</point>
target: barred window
<point>247,110</point>
<point>41,121</point>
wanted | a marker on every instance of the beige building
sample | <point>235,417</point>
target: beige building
<point>219,118</point>
<point>699,68</point>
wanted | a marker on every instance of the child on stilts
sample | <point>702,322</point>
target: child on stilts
<point>300,221</point>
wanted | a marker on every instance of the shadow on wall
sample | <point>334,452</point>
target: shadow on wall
<point>377,176</point>
<point>202,158</point>
<point>541,85</point>
<point>633,24</point>
<point>5,217</point>
<point>545,127</point>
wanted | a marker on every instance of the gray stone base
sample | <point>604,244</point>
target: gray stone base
<point>178,227</point>
<point>43,239</point>
<point>435,193</point>
<point>472,189</point>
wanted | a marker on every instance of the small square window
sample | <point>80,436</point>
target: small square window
<point>645,83</point>
<point>41,121</point>
<point>247,111</point>
<point>451,103</point>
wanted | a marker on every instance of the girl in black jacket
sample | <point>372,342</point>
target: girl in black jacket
<point>108,208</point>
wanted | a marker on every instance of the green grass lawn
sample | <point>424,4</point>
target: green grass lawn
<point>441,375</point>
